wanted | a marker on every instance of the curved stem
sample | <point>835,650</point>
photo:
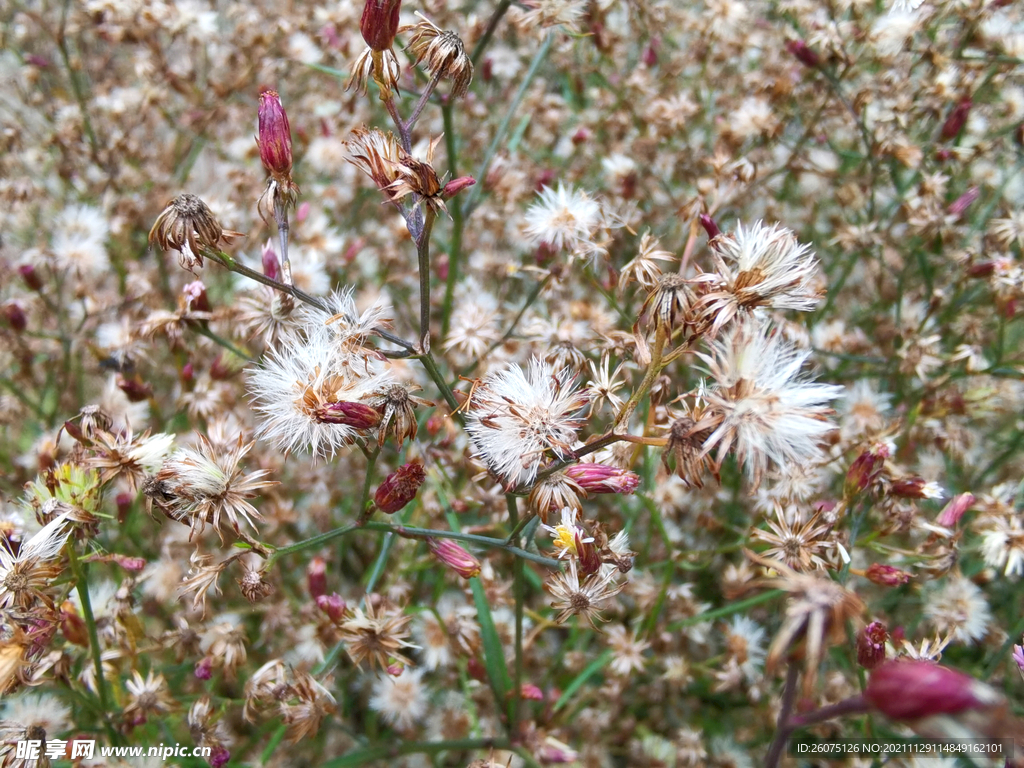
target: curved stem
<point>660,339</point>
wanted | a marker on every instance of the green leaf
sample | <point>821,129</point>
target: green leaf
<point>494,655</point>
<point>591,669</point>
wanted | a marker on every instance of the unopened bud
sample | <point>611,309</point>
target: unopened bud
<point>600,478</point>
<point>379,23</point>
<point>807,57</point>
<point>123,502</point>
<point>219,756</point>
<point>275,139</point>
<point>886,575</point>
<point>355,415</point>
<point>531,692</point>
<point>135,389</point>
<point>866,468</point>
<point>333,606</point>
<point>710,227</point>
<point>455,557</point>
<point>73,626</point>
<point>204,668</point>
<point>981,269</point>
<point>871,645</point>
<point>954,510</point>
<point>134,564</point>
<point>15,316</point>
<point>962,203</point>
<point>76,432</point>
<point>271,264</point>
<point>911,690</point>
<point>476,669</point>
<point>195,296</point>
<point>916,488</point>
<point>399,488</point>
<point>650,55</point>
<point>316,577</point>
<point>957,117</point>
<point>453,187</point>
<point>31,276</point>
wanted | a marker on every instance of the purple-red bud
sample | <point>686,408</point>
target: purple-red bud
<point>915,488</point>
<point>379,23</point>
<point>531,692</point>
<point>15,316</point>
<point>590,558</point>
<point>134,564</point>
<point>271,264</point>
<point>31,277</point>
<point>871,645</point>
<point>807,57</point>
<point>275,139</point>
<point>455,557</point>
<point>956,119</point>
<point>219,756</point>
<point>954,510</point>
<point>355,415</point>
<point>399,488</point>
<point>135,389</point>
<point>204,668</point>
<point>453,187</point>
<point>316,577</point>
<point>73,626</point>
<point>710,227</point>
<point>600,478</point>
<point>886,575</point>
<point>866,468</point>
<point>333,605</point>
<point>911,690</point>
<point>962,203</point>
<point>195,296</point>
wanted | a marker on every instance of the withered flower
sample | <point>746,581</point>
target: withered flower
<point>25,576</point>
<point>686,437</point>
<point>188,226</point>
<point>314,703</point>
<point>395,405</point>
<point>381,66</point>
<point>576,597</point>
<point>669,304</point>
<point>377,635</point>
<point>253,587</point>
<point>443,52</point>
<point>395,172</point>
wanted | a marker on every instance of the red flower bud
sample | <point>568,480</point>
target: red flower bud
<point>866,468</point>
<point>355,415</point>
<point>271,264</point>
<point>962,203</point>
<point>956,119</point>
<point>871,645</point>
<point>204,668</point>
<point>31,277</point>
<point>455,557</point>
<point>910,690</point>
<point>135,389</point>
<point>15,316</point>
<point>332,605</point>
<point>476,669</point>
<point>807,57</point>
<point>590,558</point>
<point>275,139</point>
<point>915,488</point>
<point>710,227</point>
<point>982,269</point>
<point>531,692</point>
<point>886,575</point>
<point>954,510</point>
<point>219,756</point>
<point>129,563</point>
<point>399,488</point>
<point>600,478</point>
<point>316,577</point>
<point>455,186</point>
<point>379,23</point>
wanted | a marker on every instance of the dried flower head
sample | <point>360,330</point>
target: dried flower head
<point>376,634</point>
<point>563,218</point>
<point>188,226</point>
<point>516,416</point>
<point>395,172</point>
<point>395,404</point>
<point>443,52</point>
<point>573,597</point>
<point>26,576</point>
<point>381,66</point>
<point>314,703</point>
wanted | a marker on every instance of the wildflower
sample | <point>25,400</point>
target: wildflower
<point>1002,544</point>
<point>600,478</point>
<point>397,418</point>
<point>604,384</point>
<point>908,691</point>
<point>79,240</point>
<point>202,576</point>
<point>204,485</point>
<point>253,586</point>
<point>567,534</point>
<point>916,488</point>
<point>757,267</point>
<point>668,305</point>
<point>576,598</point>
<point>686,438</point>
<point>643,268</point>
<point>444,54</point>
<point>314,703</point>
<point>225,645</point>
<point>563,218</point>
<point>395,172</point>
<point>275,143</point>
<point>378,634</point>
<point>207,731</point>
<point>817,612</point>
<point>555,492</point>
<point>127,455</point>
<point>886,575</point>
<point>744,642</point>
<point>26,576</point>
<point>959,608</point>
<point>871,645</point>
<point>382,66</point>
<point>188,226</point>
<point>515,416</point>
<point>797,544</point>
<point>761,407</point>
<point>549,13</point>
<point>401,700</point>
<point>146,697</point>
<point>268,683</point>
<point>399,488</point>
<point>627,650</point>
<point>455,557</point>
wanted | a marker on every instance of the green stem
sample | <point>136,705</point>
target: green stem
<point>432,371</point>
<point>203,330</point>
<point>492,24</point>
<point>423,256</point>
<point>727,610</point>
<point>455,246</point>
<point>82,585</point>
<point>660,339</point>
<point>517,571</point>
<point>472,538</point>
<point>506,122</point>
<point>314,541</point>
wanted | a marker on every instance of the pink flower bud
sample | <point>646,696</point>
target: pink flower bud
<point>333,606</point>
<point>129,563</point>
<point>219,756</point>
<point>15,316</point>
<point>956,119</point>
<point>807,57</point>
<point>910,690</point>
<point>204,668</point>
<point>600,478</point>
<point>871,645</point>
<point>1018,657</point>
<point>886,575</point>
<point>316,578</point>
<point>379,23</point>
<point>455,557</point>
<point>531,692</point>
<point>195,296</point>
<point>123,502</point>
<point>135,389</point>
<point>355,415</point>
<point>187,373</point>
<point>650,55</point>
<point>962,203</point>
<point>275,139</point>
<point>453,187</point>
<point>31,277</point>
<point>710,227</point>
<point>399,488</point>
<point>271,264</point>
<point>954,510</point>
